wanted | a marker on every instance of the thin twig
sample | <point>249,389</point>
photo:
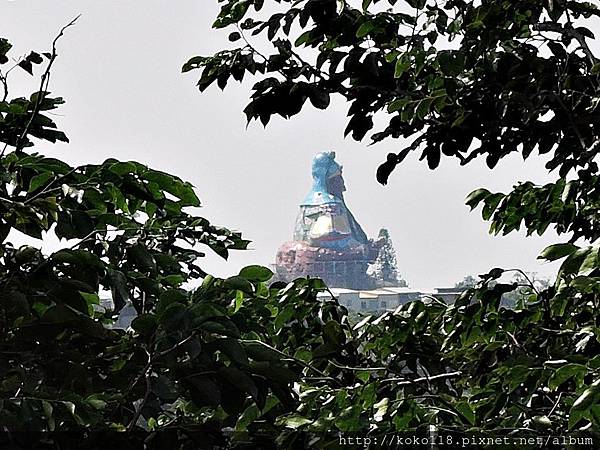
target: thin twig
<point>140,406</point>
<point>316,72</point>
<point>514,339</point>
<point>44,81</point>
<point>555,404</point>
<point>526,277</point>
<point>333,296</point>
<point>154,357</point>
<point>435,299</point>
<point>45,190</point>
<point>340,366</point>
<point>4,82</point>
<point>174,347</point>
<point>293,358</point>
<point>405,381</point>
<point>4,78</point>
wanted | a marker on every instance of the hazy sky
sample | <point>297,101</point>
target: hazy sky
<point>119,70</point>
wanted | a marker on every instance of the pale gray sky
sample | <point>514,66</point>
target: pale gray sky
<point>119,71</point>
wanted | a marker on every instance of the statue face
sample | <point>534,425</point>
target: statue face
<point>335,184</point>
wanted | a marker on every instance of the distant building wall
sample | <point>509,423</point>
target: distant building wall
<point>389,298</point>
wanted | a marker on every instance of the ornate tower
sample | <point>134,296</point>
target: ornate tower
<point>328,241</point>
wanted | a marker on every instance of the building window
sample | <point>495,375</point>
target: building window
<point>363,305</point>
<point>383,305</point>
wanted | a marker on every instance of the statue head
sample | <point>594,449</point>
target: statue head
<point>327,174</point>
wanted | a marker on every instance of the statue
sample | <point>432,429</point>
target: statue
<point>328,241</point>
<point>324,219</point>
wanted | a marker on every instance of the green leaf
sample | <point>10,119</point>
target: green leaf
<point>250,414</point>
<point>590,263</point>
<point>144,324</point>
<point>239,300</point>
<point>557,251</point>
<point>221,326</point>
<point>475,197</point>
<point>40,180</point>
<point>305,355</point>
<point>451,62</point>
<point>294,421</point>
<point>204,391</point>
<point>402,65</point>
<point>303,38</point>
<point>381,408</point>
<point>91,299</point>
<point>240,283</point>
<point>585,400</point>
<point>165,388</point>
<point>363,375</point>
<point>70,407</point>
<point>142,258</point>
<point>423,108</point>
<point>96,402</point>
<point>362,323</point>
<point>565,372</point>
<point>168,297</point>
<point>233,349</point>
<point>594,363</point>
<point>581,405</point>
<point>240,380</point>
<point>172,315</point>
<point>256,273</point>
<point>365,29</point>
<point>397,105</point>
<point>467,411</point>
<point>260,352</point>
<point>333,333</point>
<point>542,421</point>
<point>349,418</point>
<point>572,264</point>
<point>47,408</point>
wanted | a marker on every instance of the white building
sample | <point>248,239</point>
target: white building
<point>387,298</point>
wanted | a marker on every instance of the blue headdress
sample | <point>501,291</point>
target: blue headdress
<point>324,167</point>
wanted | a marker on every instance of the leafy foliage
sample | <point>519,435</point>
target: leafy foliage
<point>459,79</point>
<point>239,362</point>
<point>397,60</point>
<point>385,268</point>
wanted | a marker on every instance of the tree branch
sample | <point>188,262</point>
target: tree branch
<point>286,356</point>
<point>42,91</point>
<point>138,410</point>
<point>526,277</point>
<point>406,381</point>
<point>557,28</point>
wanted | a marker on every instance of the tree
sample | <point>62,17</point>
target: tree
<point>460,79</point>
<point>527,284</point>
<point>467,282</point>
<point>385,268</point>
